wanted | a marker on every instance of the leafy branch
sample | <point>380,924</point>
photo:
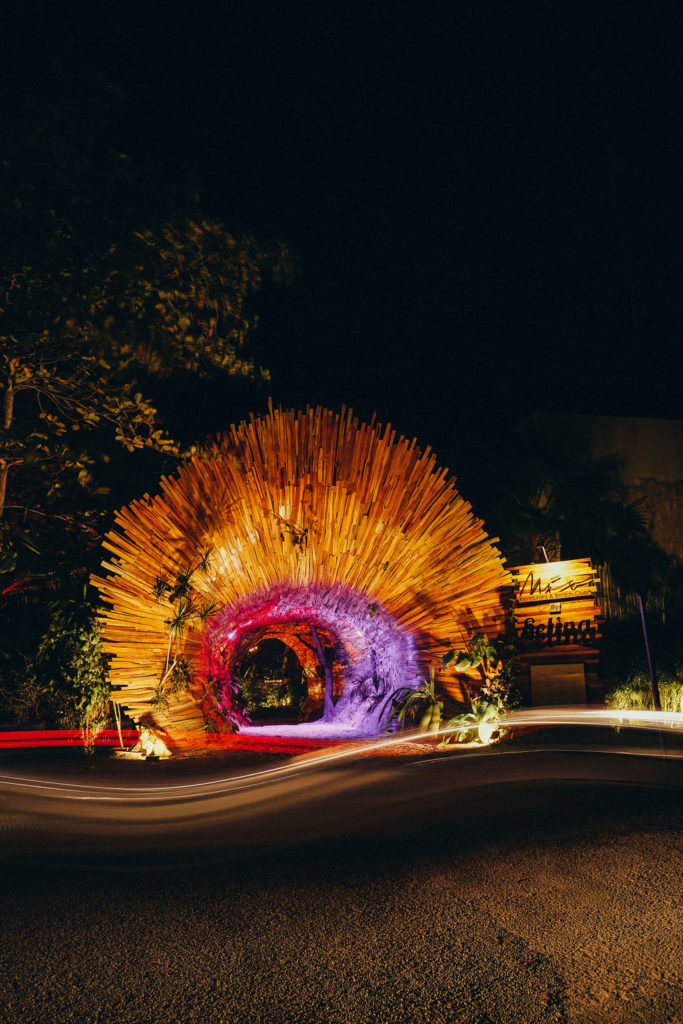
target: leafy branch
<point>185,608</point>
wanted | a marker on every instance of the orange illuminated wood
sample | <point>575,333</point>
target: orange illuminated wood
<point>555,581</point>
<point>293,499</point>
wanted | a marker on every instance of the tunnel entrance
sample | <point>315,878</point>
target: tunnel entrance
<point>350,655</point>
<point>287,673</point>
<point>272,683</point>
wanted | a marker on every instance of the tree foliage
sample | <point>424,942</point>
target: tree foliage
<point>109,281</point>
<point>79,342</point>
<point>65,678</point>
<point>113,290</point>
<point>544,494</point>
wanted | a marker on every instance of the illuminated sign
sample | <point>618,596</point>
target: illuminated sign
<point>556,606</point>
<point>555,581</point>
<point>558,631</point>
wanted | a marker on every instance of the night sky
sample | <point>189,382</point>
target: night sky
<point>485,199</point>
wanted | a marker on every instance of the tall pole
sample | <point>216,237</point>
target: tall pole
<point>653,678</point>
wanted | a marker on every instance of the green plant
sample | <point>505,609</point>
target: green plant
<point>477,724</point>
<point>65,679</point>
<point>159,700</point>
<point>497,662</point>
<point>244,682</point>
<point>184,608</point>
<point>421,707</point>
<point>257,692</point>
<point>160,588</point>
<point>624,667</point>
<point>635,694</point>
<point>180,677</point>
<point>220,713</point>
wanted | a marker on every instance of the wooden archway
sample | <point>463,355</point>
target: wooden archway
<point>290,521</point>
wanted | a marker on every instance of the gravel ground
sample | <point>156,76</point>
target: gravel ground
<point>539,902</point>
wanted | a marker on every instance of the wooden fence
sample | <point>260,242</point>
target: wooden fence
<point>618,604</point>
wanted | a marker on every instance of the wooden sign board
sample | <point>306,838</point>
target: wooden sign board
<point>555,607</point>
<point>555,581</point>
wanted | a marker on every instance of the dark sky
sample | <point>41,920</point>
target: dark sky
<point>485,198</point>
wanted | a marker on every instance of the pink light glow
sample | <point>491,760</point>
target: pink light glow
<point>375,655</point>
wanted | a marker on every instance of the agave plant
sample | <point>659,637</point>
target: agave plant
<point>159,699</point>
<point>205,559</point>
<point>182,586</point>
<point>421,707</point>
<point>180,677</point>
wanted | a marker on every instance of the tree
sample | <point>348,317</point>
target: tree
<point>543,492</point>
<point>108,281</point>
<point>553,498</point>
<point>111,288</point>
<point>79,342</point>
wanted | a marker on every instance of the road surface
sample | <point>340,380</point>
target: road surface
<point>512,887</point>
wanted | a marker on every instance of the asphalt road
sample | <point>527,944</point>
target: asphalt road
<point>534,886</point>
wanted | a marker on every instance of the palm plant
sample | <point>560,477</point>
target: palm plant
<point>545,492</point>
<point>182,600</point>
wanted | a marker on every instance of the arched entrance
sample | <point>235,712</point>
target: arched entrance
<point>280,676</point>
<point>352,654</point>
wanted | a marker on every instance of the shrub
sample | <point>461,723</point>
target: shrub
<point>623,666</point>
<point>421,708</point>
<point>635,693</point>
<point>65,680</point>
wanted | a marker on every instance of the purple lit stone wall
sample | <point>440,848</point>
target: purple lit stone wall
<point>375,654</point>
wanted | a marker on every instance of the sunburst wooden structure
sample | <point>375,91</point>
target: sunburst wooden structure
<point>294,525</point>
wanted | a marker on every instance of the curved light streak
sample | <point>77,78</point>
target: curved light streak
<point>538,717</point>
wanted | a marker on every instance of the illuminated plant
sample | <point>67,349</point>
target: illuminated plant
<point>421,707</point>
<point>636,694</point>
<point>477,724</point>
<point>497,662</point>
